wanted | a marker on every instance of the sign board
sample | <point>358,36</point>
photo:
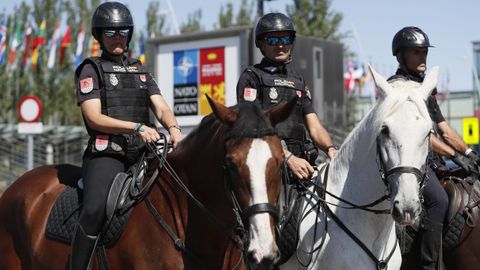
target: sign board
<point>470,130</point>
<point>30,109</point>
<point>30,128</point>
<point>189,70</point>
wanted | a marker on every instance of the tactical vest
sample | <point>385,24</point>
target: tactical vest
<point>124,90</point>
<point>276,88</point>
<point>124,96</point>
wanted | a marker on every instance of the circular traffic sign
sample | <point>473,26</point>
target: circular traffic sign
<point>30,109</point>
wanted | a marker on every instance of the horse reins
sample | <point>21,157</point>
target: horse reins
<point>385,174</point>
<point>242,215</point>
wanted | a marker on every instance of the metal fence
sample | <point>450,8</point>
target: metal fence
<point>60,144</point>
<point>55,145</point>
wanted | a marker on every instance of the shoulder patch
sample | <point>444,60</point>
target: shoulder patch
<point>86,85</point>
<point>307,92</point>
<point>249,94</point>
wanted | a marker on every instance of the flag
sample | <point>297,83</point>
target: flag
<point>64,44</point>
<point>352,76</point>
<point>142,50</point>
<point>27,45</point>
<point>53,46</point>
<point>38,41</point>
<point>14,45</point>
<point>79,50</point>
<point>3,40</point>
<point>95,47</point>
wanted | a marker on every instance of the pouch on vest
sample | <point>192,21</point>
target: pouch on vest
<point>108,145</point>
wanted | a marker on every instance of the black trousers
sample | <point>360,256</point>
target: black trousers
<point>98,173</point>
<point>435,198</point>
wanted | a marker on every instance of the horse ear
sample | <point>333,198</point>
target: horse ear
<point>280,112</point>
<point>224,114</point>
<point>429,82</point>
<point>382,85</point>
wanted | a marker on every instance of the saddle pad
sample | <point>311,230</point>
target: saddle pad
<point>64,217</point>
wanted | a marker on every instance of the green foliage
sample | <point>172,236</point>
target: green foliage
<point>245,16</point>
<point>193,23</point>
<point>155,23</point>
<point>315,19</point>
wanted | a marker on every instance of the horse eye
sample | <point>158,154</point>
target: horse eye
<point>385,130</point>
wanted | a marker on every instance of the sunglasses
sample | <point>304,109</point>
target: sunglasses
<point>113,32</point>
<point>274,41</point>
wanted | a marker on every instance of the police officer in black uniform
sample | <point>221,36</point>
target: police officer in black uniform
<point>273,81</point>
<point>410,47</point>
<point>114,93</point>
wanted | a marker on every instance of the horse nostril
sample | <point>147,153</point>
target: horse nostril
<point>396,210</point>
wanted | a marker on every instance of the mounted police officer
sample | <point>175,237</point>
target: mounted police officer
<point>114,93</point>
<point>273,80</point>
<point>410,47</point>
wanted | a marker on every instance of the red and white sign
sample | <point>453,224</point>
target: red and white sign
<point>30,109</point>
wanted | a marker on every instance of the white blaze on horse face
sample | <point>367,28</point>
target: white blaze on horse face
<point>261,237</point>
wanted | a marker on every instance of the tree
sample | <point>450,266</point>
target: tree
<point>245,16</point>
<point>193,23</point>
<point>313,18</point>
<point>155,23</point>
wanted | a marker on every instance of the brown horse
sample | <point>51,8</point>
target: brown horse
<point>464,256</point>
<point>230,161</point>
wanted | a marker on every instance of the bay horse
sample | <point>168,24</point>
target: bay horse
<point>374,181</point>
<point>228,173</point>
<point>464,254</point>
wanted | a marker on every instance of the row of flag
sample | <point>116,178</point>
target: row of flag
<point>355,77</point>
<point>30,44</point>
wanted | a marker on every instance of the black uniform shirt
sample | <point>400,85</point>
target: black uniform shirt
<point>432,105</point>
<point>249,80</point>
<point>88,86</point>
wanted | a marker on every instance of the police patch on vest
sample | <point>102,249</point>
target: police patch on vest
<point>101,142</point>
<point>249,94</point>
<point>282,82</point>
<point>86,85</point>
<point>143,77</point>
<point>273,94</point>
<point>113,79</point>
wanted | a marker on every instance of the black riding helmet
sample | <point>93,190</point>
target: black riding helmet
<point>409,37</point>
<point>273,22</point>
<point>111,15</point>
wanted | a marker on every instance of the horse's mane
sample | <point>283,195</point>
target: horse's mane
<point>403,91</point>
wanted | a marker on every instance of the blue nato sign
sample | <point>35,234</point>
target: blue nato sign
<point>185,82</point>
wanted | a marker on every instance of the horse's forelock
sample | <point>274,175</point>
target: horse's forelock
<point>250,116</point>
<point>389,105</point>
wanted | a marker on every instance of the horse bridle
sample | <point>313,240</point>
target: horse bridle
<point>243,215</point>
<point>385,174</point>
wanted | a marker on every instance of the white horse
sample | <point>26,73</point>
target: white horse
<point>384,155</point>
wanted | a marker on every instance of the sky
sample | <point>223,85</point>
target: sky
<point>450,25</point>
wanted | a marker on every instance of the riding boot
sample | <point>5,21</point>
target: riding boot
<point>431,246</point>
<point>82,249</point>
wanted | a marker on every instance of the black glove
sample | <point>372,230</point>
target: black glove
<point>466,163</point>
<point>474,157</point>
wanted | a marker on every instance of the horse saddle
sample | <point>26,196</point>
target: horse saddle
<point>65,212</point>
<point>463,211</point>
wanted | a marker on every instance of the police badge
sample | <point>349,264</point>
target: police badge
<point>113,79</point>
<point>273,93</point>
